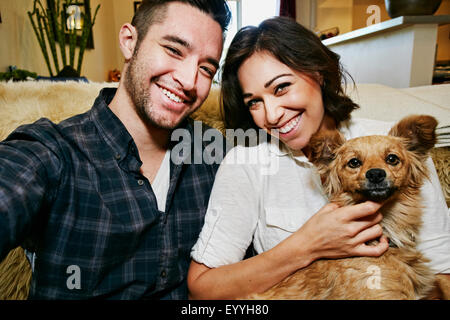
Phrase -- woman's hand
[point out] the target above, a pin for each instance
(338, 232)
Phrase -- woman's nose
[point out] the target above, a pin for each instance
(274, 113)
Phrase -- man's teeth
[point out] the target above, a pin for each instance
(290, 125)
(172, 96)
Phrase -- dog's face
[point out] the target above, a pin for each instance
(374, 167)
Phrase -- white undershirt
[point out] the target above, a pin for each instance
(160, 184)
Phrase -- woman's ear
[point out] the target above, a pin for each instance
(127, 40)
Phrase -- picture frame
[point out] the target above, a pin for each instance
(71, 15)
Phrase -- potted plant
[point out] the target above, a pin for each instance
(51, 25)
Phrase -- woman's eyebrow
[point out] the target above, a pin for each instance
(268, 83)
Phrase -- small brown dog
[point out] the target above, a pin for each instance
(386, 169)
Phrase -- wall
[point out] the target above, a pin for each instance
(359, 19)
(123, 13)
(360, 15)
(332, 13)
(443, 48)
(20, 46)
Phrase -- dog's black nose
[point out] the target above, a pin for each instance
(376, 175)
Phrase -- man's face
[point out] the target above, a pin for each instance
(170, 74)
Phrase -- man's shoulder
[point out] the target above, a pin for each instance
(49, 133)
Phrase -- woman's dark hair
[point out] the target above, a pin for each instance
(294, 46)
(154, 11)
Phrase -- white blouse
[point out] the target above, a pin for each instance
(263, 194)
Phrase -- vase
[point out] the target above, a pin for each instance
(396, 8)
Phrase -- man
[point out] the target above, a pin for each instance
(96, 197)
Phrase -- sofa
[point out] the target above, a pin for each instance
(25, 102)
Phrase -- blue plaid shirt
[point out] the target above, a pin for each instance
(73, 193)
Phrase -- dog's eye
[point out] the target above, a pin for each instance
(392, 159)
(354, 163)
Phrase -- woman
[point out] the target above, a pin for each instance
(280, 78)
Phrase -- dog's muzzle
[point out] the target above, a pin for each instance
(376, 187)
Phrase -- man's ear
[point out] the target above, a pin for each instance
(323, 146)
(418, 131)
(127, 40)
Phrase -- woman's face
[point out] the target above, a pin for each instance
(281, 99)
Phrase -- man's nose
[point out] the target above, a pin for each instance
(186, 74)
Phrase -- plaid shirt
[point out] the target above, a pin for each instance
(73, 193)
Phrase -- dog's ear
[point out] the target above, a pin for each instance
(418, 131)
(323, 146)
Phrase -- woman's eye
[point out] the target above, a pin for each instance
(251, 103)
(392, 159)
(281, 87)
(354, 163)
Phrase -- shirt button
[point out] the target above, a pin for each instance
(117, 156)
(163, 274)
(140, 182)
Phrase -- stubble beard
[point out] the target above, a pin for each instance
(140, 97)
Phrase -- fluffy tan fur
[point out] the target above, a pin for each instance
(400, 273)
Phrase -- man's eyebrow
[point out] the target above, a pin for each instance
(268, 83)
(214, 62)
(178, 40)
(187, 45)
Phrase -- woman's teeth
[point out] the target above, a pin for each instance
(172, 96)
(290, 125)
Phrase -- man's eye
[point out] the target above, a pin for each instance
(354, 163)
(209, 71)
(392, 159)
(173, 50)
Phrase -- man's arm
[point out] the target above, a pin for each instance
(25, 167)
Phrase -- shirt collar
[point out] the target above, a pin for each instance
(279, 149)
(109, 125)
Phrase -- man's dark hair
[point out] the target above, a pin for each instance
(293, 45)
(154, 11)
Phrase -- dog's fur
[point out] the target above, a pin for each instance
(386, 169)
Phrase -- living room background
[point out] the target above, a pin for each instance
(20, 47)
